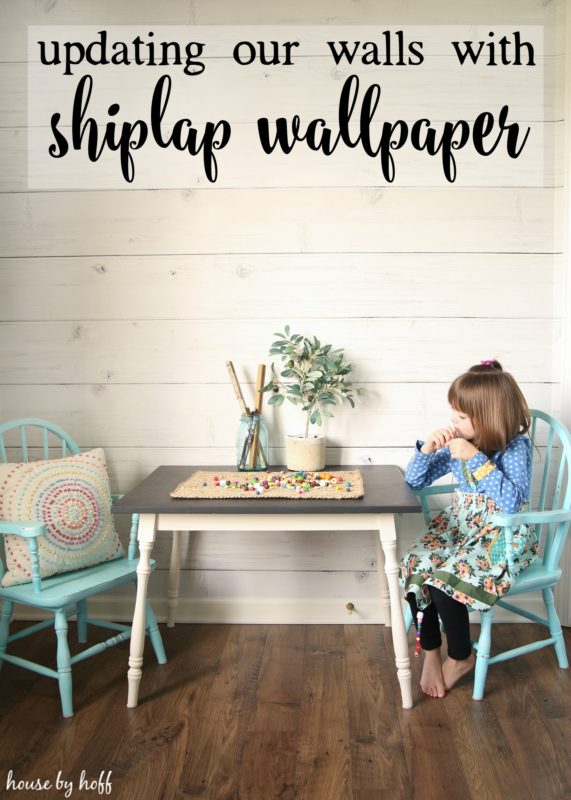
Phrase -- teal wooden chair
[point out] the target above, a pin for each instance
(63, 595)
(550, 512)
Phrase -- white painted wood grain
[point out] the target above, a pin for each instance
(195, 352)
(337, 285)
(279, 220)
(204, 12)
(390, 415)
(264, 583)
(291, 551)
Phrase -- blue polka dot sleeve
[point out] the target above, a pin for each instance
(509, 483)
(424, 469)
(506, 477)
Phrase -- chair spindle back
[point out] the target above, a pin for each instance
(21, 437)
(552, 489)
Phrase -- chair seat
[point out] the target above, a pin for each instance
(536, 576)
(70, 587)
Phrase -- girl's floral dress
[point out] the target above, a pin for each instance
(462, 553)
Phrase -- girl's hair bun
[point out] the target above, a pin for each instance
(487, 366)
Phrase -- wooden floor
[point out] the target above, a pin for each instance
(257, 711)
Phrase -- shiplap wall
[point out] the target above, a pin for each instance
(120, 308)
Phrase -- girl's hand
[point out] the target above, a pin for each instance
(438, 439)
(462, 449)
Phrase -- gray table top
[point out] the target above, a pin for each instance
(385, 492)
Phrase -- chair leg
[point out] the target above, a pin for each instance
(64, 664)
(82, 621)
(555, 629)
(7, 607)
(483, 653)
(155, 635)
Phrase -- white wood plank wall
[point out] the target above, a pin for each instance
(120, 308)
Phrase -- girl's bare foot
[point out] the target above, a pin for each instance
(432, 680)
(453, 670)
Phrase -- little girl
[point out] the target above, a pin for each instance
(461, 561)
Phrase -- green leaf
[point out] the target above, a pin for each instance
(287, 330)
(326, 413)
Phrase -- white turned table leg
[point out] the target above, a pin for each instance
(388, 538)
(174, 579)
(383, 585)
(146, 536)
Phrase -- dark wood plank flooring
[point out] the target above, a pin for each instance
(269, 711)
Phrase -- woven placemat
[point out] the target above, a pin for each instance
(339, 485)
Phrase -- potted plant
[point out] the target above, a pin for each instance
(314, 376)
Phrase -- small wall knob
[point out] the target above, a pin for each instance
(350, 607)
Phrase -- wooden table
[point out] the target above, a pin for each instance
(386, 494)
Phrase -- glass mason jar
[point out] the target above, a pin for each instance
(252, 443)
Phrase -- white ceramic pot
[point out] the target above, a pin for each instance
(304, 453)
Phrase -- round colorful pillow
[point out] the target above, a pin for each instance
(71, 497)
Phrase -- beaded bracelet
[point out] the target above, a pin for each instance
(419, 618)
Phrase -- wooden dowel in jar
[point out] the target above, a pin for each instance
(237, 390)
(258, 407)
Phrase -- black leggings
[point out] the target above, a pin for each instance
(454, 616)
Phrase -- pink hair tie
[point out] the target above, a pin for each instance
(487, 363)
